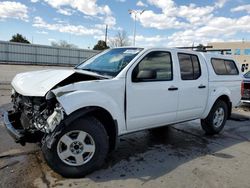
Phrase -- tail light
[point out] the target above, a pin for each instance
(242, 88)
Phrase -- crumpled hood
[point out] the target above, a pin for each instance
(38, 83)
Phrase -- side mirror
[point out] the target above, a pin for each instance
(145, 75)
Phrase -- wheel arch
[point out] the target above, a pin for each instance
(224, 97)
(104, 116)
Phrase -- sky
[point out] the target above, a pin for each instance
(163, 23)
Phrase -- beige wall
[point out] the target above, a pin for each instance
(242, 58)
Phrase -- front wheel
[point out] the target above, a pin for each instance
(216, 119)
(79, 149)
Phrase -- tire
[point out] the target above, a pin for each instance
(78, 149)
(216, 119)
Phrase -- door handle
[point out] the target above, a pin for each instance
(201, 86)
(172, 88)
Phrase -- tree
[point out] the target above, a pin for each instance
(63, 44)
(120, 39)
(101, 45)
(19, 38)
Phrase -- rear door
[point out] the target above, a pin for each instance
(193, 86)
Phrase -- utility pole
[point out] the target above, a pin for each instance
(135, 13)
(106, 34)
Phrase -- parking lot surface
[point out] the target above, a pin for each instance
(175, 156)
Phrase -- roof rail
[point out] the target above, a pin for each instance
(219, 50)
(202, 48)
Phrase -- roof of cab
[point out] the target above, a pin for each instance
(205, 54)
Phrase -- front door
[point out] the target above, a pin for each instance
(151, 92)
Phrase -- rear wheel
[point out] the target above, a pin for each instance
(79, 149)
(216, 119)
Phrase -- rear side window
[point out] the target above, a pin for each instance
(224, 67)
(189, 66)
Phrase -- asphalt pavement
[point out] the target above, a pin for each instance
(176, 156)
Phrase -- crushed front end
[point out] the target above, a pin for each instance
(32, 117)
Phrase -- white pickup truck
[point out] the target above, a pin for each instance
(78, 114)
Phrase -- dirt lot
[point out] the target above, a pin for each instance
(177, 156)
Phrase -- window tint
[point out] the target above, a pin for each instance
(189, 66)
(224, 67)
(219, 66)
(159, 63)
(231, 68)
(196, 66)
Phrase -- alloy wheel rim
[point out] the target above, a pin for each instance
(76, 148)
(218, 117)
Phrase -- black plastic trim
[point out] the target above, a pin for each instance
(16, 134)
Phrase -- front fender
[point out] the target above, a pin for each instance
(74, 100)
(214, 95)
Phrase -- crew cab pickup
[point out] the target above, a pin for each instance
(78, 114)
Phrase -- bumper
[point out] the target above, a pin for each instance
(17, 132)
(12, 123)
(245, 101)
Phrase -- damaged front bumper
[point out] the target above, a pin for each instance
(13, 125)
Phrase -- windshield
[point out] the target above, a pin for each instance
(247, 75)
(110, 62)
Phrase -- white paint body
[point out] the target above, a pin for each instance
(137, 106)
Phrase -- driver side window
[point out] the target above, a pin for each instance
(155, 66)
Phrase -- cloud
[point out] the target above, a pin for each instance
(220, 3)
(87, 7)
(195, 15)
(217, 29)
(157, 38)
(66, 11)
(65, 28)
(245, 8)
(42, 32)
(160, 21)
(173, 16)
(16, 10)
(110, 21)
(150, 41)
(191, 24)
(34, 1)
(141, 4)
